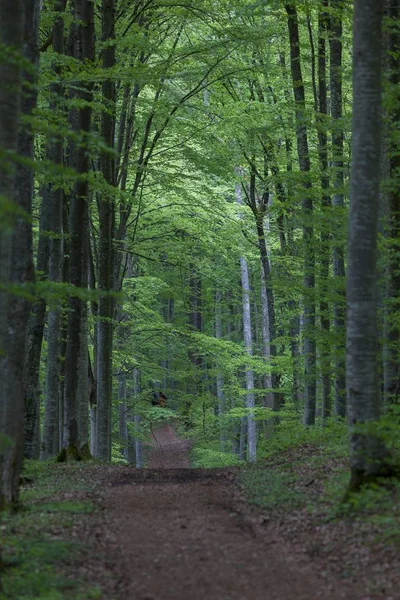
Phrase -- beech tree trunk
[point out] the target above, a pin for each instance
(367, 454)
(55, 198)
(34, 345)
(105, 254)
(322, 114)
(18, 33)
(220, 377)
(307, 216)
(248, 342)
(138, 441)
(76, 370)
(392, 329)
(339, 307)
(266, 352)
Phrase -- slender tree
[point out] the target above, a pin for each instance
(76, 368)
(248, 341)
(339, 308)
(105, 249)
(54, 198)
(307, 206)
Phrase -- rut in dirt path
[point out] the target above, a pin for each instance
(175, 533)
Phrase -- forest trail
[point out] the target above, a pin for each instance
(170, 532)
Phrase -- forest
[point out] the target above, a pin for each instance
(175, 184)
(200, 214)
(200, 236)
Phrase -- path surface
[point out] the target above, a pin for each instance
(174, 533)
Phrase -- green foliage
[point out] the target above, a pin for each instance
(209, 458)
(290, 433)
(271, 489)
(35, 543)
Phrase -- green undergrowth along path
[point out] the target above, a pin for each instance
(37, 546)
(307, 472)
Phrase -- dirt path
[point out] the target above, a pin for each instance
(174, 533)
(168, 452)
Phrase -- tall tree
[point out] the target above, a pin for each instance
(53, 197)
(339, 308)
(18, 34)
(392, 329)
(248, 342)
(76, 368)
(105, 248)
(367, 454)
(307, 216)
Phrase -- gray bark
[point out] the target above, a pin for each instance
(322, 113)
(75, 376)
(248, 342)
(34, 346)
(307, 216)
(392, 329)
(366, 451)
(339, 307)
(122, 415)
(55, 198)
(18, 30)
(220, 377)
(106, 230)
(266, 349)
(138, 442)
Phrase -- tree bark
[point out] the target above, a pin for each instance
(339, 307)
(35, 341)
(367, 454)
(106, 230)
(307, 209)
(220, 377)
(55, 197)
(18, 34)
(392, 329)
(76, 375)
(322, 114)
(248, 342)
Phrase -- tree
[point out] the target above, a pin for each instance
(76, 366)
(367, 453)
(105, 246)
(307, 206)
(18, 34)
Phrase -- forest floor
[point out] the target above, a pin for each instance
(170, 532)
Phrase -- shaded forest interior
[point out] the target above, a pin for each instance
(190, 194)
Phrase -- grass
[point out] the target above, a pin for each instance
(202, 457)
(36, 544)
(307, 469)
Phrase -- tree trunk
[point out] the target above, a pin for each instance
(18, 31)
(367, 454)
(138, 441)
(339, 307)
(266, 351)
(34, 346)
(307, 210)
(75, 372)
(55, 197)
(106, 230)
(248, 342)
(322, 114)
(392, 328)
(220, 377)
(122, 415)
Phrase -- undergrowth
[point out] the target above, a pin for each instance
(35, 541)
(308, 469)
